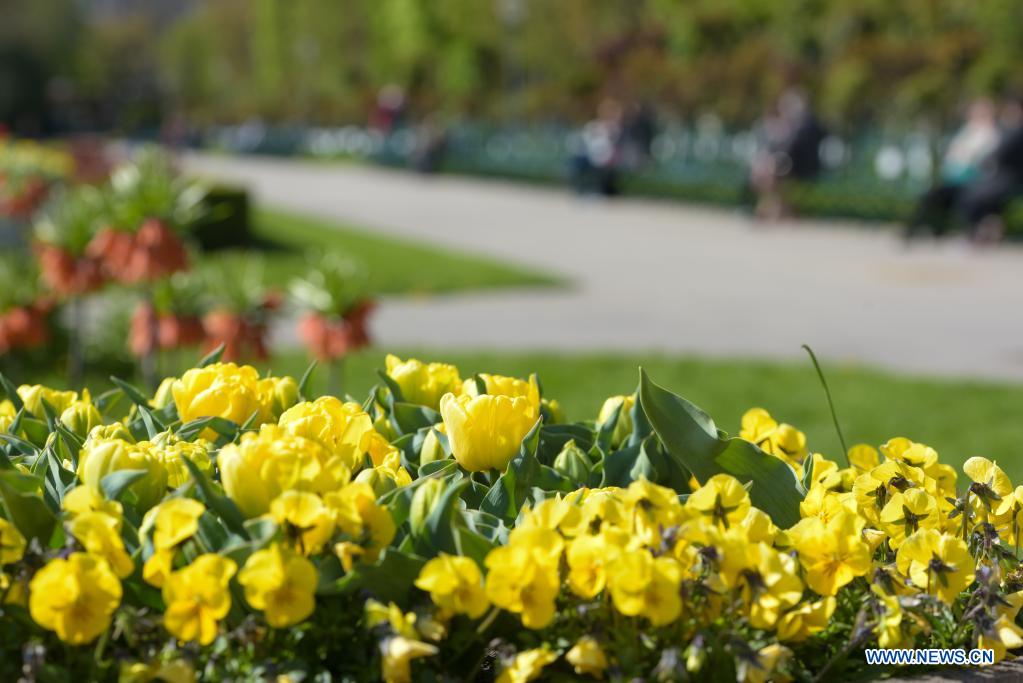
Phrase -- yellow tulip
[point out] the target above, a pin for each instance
(81, 417)
(265, 463)
(485, 432)
(219, 390)
(623, 427)
(34, 396)
(501, 385)
(75, 597)
(423, 383)
(339, 427)
(281, 584)
(97, 459)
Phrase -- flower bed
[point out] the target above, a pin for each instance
(234, 527)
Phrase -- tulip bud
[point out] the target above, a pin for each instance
(163, 396)
(552, 411)
(423, 501)
(384, 427)
(431, 450)
(278, 394)
(80, 417)
(377, 480)
(623, 427)
(97, 459)
(573, 462)
(116, 430)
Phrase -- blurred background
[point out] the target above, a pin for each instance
(485, 181)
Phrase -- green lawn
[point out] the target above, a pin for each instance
(960, 419)
(394, 265)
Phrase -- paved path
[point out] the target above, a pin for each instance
(651, 276)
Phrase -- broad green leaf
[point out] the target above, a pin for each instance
(216, 501)
(132, 392)
(691, 438)
(114, 484)
(11, 392)
(24, 505)
(410, 418)
(389, 579)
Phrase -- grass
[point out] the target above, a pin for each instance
(958, 418)
(394, 266)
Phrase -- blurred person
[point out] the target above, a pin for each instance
(639, 127)
(595, 165)
(971, 145)
(1000, 181)
(388, 113)
(431, 144)
(790, 138)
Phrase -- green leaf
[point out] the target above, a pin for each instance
(392, 386)
(440, 530)
(11, 392)
(410, 417)
(390, 579)
(216, 501)
(212, 357)
(116, 483)
(303, 384)
(136, 396)
(25, 507)
(692, 439)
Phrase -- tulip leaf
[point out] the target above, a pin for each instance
(24, 447)
(410, 418)
(212, 357)
(11, 392)
(132, 392)
(473, 544)
(607, 428)
(441, 534)
(691, 438)
(116, 483)
(107, 400)
(218, 502)
(35, 430)
(554, 437)
(392, 386)
(25, 507)
(62, 479)
(303, 384)
(390, 579)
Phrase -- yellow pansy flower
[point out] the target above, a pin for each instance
(455, 584)
(75, 597)
(833, 554)
(362, 519)
(306, 521)
(197, 598)
(722, 499)
(938, 563)
(907, 512)
(100, 535)
(12, 543)
(587, 657)
(526, 666)
(175, 521)
(281, 583)
(397, 653)
(642, 585)
(806, 620)
(519, 582)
